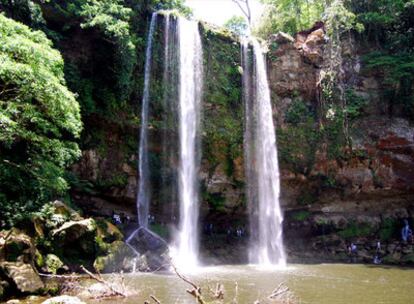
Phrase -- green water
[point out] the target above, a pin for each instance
(322, 284)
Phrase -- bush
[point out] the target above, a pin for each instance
(39, 119)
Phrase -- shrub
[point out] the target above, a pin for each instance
(39, 119)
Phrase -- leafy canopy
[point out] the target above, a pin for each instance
(39, 118)
(237, 24)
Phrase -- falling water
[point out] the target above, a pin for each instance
(169, 158)
(262, 168)
(143, 167)
(189, 115)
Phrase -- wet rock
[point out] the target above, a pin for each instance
(282, 38)
(53, 264)
(73, 230)
(63, 209)
(152, 249)
(76, 236)
(4, 286)
(118, 257)
(16, 246)
(64, 300)
(23, 276)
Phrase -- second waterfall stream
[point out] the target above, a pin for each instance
(261, 162)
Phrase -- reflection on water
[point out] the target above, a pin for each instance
(333, 284)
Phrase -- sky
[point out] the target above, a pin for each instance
(219, 11)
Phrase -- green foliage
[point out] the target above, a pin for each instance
(39, 118)
(215, 201)
(177, 5)
(398, 71)
(301, 216)
(237, 25)
(388, 229)
(296, 112)
(25, 11)
(355, 230)
(298, 140)
(289, 16)
(112, 18)
(223, 115)
(339, 19)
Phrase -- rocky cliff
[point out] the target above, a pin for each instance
(348, 187)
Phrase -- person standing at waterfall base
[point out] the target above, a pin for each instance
(406, 232)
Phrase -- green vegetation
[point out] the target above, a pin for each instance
(289, 16)
(39, 120)
(301, 216)
(223, 114)
(237, 25)
(356, 230)
(299, 139)
(388, 229)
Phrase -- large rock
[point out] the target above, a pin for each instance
(16, 246)
(23, 276)
(152, 250)
(76, 236)
(118, 257)
(73, 230)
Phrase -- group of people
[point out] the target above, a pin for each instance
(120, 219)
(407, 236)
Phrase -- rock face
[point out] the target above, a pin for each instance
(373, 174)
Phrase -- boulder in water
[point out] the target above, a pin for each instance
(152, 250)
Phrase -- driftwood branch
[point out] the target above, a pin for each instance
(59, 276)
(279, 291)
(155, 299)
(99, 279)
(195, 292)
(236, 294)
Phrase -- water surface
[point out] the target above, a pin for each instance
(321, 284)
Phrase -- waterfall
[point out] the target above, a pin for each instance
(143, 167)
(190, 91)
(261, 162)
(169, 158)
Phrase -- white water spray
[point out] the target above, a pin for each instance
(262, 168)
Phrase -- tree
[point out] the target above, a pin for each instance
(244, 5)
(39, 120)
(289, 16)
(237, 24)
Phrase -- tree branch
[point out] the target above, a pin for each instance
(246, 11)
(100, 280)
